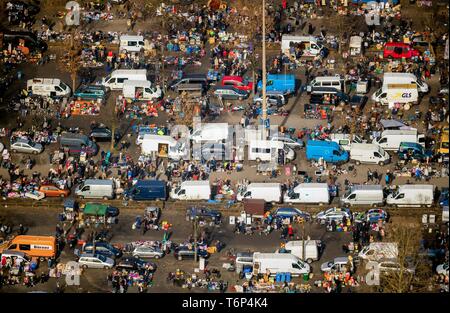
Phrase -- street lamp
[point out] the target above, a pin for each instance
(264, 76)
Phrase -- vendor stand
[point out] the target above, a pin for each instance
(84, 107)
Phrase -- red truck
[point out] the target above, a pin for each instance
(238, 82)
(398, 50)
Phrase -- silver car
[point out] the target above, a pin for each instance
(148, 252)
(90, 260)
(291, 143)
(26, 146)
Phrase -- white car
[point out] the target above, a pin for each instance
(389, 266)
(90, 260)
(1, 147)
(332, 214)
(442, 269)
(291, 143)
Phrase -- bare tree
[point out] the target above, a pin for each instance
(402, 280)
(71, 60)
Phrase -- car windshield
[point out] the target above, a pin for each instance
(101, 258)
(286, 149)
(379, 92)
(347, 194)
(62, 86)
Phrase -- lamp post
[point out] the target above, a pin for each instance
(264, 75)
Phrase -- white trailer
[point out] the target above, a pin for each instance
(376, 251)
(309, 193)
(364, 195)
(412, 196)
(391, 139)
(270, 192)
(368, 153)
(274, 263)
(192, 190)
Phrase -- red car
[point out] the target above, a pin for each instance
(398, 50)
(237, 82)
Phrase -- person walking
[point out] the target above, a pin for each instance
(387, 178)
(369, 176)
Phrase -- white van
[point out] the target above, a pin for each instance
(312, 47)
(335, 82)
(411, 196)
(192, 190)
(308, 193)
(48, 87)
(274, 263)
(391, 94)
(295, 247)
(391, 139)
(364, 195)
(211, 132)
(368, 153)
(376, 251)
(405, 78)
(268, 150)
(270, 192)
(344, 140)
(141, 90)
(116, 79)
(151, 144)
(131, 43)
(96, 188)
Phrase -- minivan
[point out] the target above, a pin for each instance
(335, 82)
(102, 248)
(76, 143)
(131, 43)
(188, 80)
(96, 188)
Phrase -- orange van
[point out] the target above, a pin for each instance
(42, 247)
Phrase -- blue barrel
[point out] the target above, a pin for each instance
(288, 277)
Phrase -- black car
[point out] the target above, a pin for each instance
(112, 211)
(204, 213)
(132, 263)
(182, 253)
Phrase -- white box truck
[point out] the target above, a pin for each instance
(376, 251)
(217, 132)
(141, 90)
(345, 141)
(405, 78)
(390, 139)
(295, 247)
(368, 153)
(192, 190)
(270, 192)
(364, 195)
(116, 79)
(274, 263)
(412, 196)
(406, 94)
(309, 193)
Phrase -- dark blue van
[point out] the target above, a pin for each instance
(147, 190)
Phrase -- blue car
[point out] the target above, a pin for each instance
(443, 198)
(204, 213)
(90, 92)
(102, 248)
(291, 212)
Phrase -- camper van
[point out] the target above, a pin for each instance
(295, 247)
(269, 150)
(42, 247)
(391, 139)
(329, 82)
(364, 195)
(311, 47)
(308, 193)
(368, 153)
(211, 132)
(405, 78)
(48, 87)
(141, 90)
(96, 188)
(270, 192)
(115, 80)
(412, 196)
(131, 43)
(376, 251)
(192, 190)
(279, 263)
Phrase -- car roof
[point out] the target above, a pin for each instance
(229, 88)
(340, 259)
